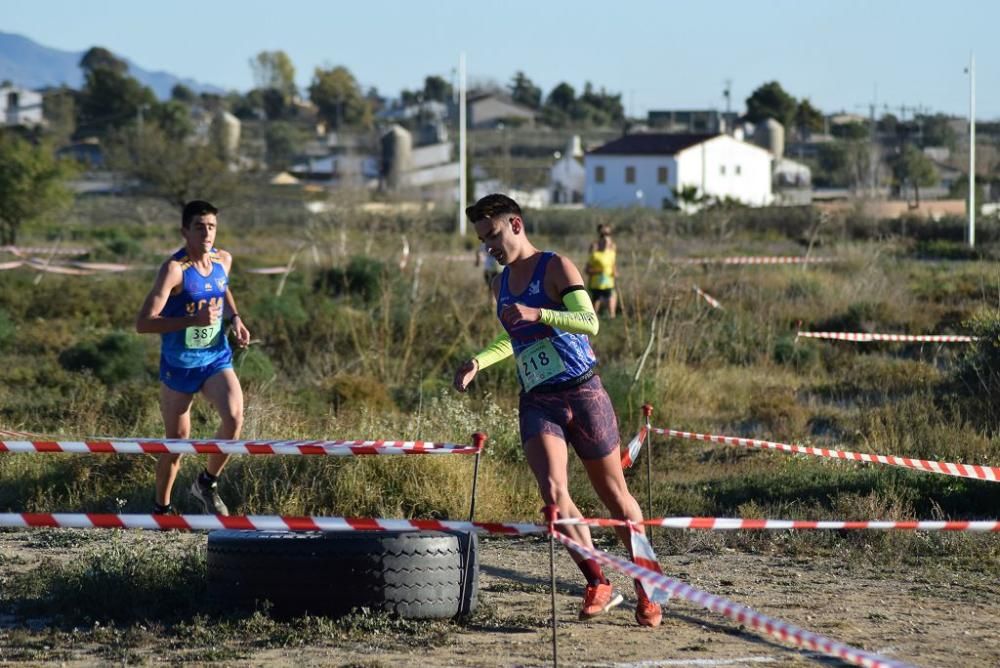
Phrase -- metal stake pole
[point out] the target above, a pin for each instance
(551, 512)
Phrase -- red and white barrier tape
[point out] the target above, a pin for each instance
(314, 523)
(712, 301)
(739, 524)
(183, 446)
(864, 337)
(631, 451)
(780, 259)
(253, 523)
(736, 612)
(991, 473)
(644, 556)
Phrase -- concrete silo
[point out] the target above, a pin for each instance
(225, 134)
(770, 134)
(397, 150)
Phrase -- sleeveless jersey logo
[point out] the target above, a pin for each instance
(535, 287)
(221, 282)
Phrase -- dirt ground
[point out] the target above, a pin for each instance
(926, 619)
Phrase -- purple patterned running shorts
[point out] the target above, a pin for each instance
(582, 416)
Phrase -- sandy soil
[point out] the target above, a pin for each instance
(926, 619)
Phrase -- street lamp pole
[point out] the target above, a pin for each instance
(462, 140)
(972, 150)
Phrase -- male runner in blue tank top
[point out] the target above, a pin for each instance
(546, 315)
(189, 306)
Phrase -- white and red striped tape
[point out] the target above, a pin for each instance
(975, 471)
(712, 301)
(739, 524)
(314, 523)
(644, 556)
(631, 451)
(736, 612)
(767, 259)
(252, 523)
(866, 337)
(182, 446)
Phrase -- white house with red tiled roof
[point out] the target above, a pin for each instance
(647, 170)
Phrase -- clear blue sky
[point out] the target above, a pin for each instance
(842, 54)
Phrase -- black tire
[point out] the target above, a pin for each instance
(415, 575)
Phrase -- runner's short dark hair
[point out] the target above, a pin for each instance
(194, 209)
(492, 206)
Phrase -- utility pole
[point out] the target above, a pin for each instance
(727, 93)
(972, 149)
(462, 169)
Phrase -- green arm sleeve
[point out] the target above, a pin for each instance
(498, 349)
(579, 319)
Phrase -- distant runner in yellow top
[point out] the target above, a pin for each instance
(601, 271)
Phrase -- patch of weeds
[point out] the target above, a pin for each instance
(61, 539)
(697, 647)
(364, 625)
(489, 618)
(775, 412)
(212, 653)
(12, 560)
(876, 378)
(507, 586)
(126, 580)
(861, 316)
(788, 350)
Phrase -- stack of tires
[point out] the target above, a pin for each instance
(414, 575)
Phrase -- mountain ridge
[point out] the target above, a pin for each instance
(25, 62)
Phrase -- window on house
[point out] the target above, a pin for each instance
(630, 175)
(599, 174)
(722, 170)
(661, 174)
(738, 170)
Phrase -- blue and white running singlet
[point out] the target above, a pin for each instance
(196, 346)
(545, 355)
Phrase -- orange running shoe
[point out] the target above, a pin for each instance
(647, 613)
(598, 599)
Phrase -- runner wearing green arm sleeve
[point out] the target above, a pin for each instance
(548, 318)
(579, 319)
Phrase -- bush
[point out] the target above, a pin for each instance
(116, 358)
(354, 391)
(788, 351)
(363, 277)
(7, 329)
(975, 382)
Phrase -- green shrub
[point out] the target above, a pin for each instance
(789, 351)
(363, 277)
(114, 359)
(975, 381)
(7, 329)
(356, 391)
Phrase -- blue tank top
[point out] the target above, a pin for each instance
(531, 341)
(196, 346)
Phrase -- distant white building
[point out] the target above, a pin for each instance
(568, 178)
(491, 110)
(646, 170)
(20, 106)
